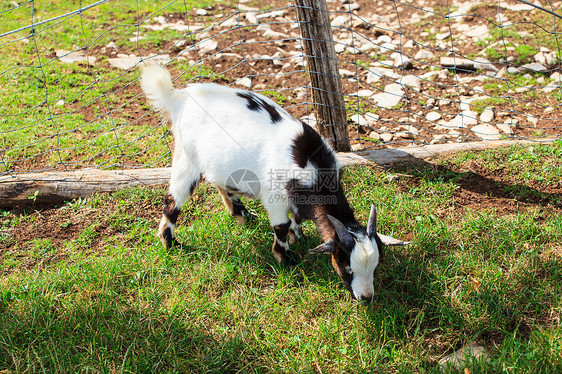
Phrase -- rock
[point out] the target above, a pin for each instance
(386, 137)
(263, 27)
(505, 128)
(487, 115)
(351, 7)
(376, 73)
(383, 39)
(275, 35)
(462, 120)
(201, 12)
(534, 67)
(272, 14)
(442, 36)
(433, 116)
(462, 358)
(365, 93)
(484, 64)
(356, 147)
(207, 46)
(374, 135)
(410, 81)
(371, 118)
(60, 103)
(457, 63)
(438, 139)
(556, 77)
(424, 54)
(71, 57)
(340, 21)
(347, 73)
(251, 17)
(478, 32)
(486, 132)
(309, 120)
(391, 96)
(359, 119)
(244, 82)
(513, 70)
(112, 45)
(401, 60)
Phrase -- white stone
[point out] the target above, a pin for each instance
(374, 135)
(356, 147)
(391, 97)
(60, 103)
(275, 35)
(207, 46)
(351, 7)
(372, 118)
(462, 120)
(484, 64)
(513, 70)
(251, 17)
(340, 21)
(505, 128)
(71, 57)
(442, 36)
(556, 77)
(410, 81)
(457, 63)
(487, 115)
(486, 132)
(201, 12)
(347, 73)
(433, 116)
(359, 119)
(535, 67)
(424, 54)
(386, 137)
(272, 14)
(365, 93)
(401, 60)
(112, 45)
(244, 82)
(463, 357)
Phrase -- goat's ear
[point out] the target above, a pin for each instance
(344, 236)
(329, 247)
(372, 225)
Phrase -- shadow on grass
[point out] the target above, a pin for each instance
(109, 335)
(478, 183)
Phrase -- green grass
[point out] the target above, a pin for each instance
(57, 114)
(105, 296)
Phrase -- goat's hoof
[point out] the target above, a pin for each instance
(167, 239)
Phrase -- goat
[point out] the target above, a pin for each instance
(245, 144)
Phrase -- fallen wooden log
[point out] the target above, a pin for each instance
(56, 186)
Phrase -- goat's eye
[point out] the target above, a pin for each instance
(348, 269)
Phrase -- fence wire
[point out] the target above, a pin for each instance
(413, 73)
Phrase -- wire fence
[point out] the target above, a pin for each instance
(413, 73)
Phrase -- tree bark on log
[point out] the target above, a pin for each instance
(322, 65)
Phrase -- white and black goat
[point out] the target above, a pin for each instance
(245, 144)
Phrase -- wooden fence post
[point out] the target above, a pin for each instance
(327, 93)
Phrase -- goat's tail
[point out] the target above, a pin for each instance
(156, 82)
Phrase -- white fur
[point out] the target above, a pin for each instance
(363, 262)
(216, 134)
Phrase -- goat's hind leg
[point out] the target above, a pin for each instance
(235, 206)
(183, 181)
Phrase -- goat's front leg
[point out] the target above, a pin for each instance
(280, 248)
(295, 230)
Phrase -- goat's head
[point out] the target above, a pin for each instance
(355, 256)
